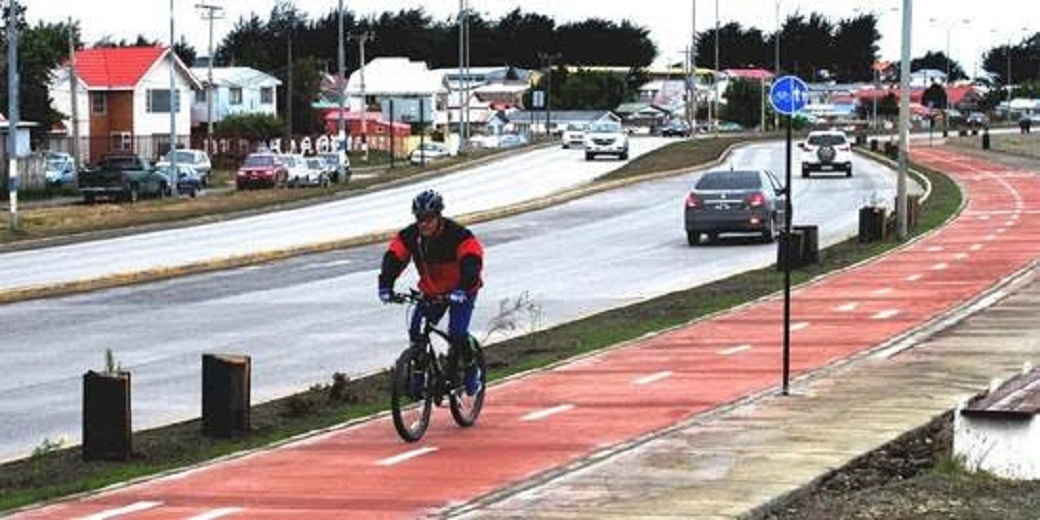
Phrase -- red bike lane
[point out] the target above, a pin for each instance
(546, 422)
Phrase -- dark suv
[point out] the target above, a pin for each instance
(676, 128)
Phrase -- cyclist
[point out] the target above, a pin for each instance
(449, 259)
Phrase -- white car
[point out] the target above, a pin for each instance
(826, 151)
(296, 167)
(429, 151)
(606, 138)
(198, 159)
(574, 136)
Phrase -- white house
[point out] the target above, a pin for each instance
(236, 90)
(399, 79)
(123, 99)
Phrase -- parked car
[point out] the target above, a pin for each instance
(189, 181)
(977, 120)
(262, 169)
(429, 151)
(123, 176)
(606, 138)
(60, 169)
(482, 141)
(198, 159)
(574, 135)
(314, 173)
(332, 162)
(676, 128)
(826, 150)
(297, 171)
(511, 140)
(725, 201)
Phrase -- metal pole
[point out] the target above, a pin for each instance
(210, 15)
(364, 102)
(341, 141)
(693, 67)
(785, 243)
(776, 60)
(873, 108)
(715, 77)
(904, 121)
(462, 63)
(13, 115)
(174, 102)
(73, 83)
(1009, 79)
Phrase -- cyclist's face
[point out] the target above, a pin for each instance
(429, 224)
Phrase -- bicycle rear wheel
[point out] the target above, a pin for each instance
(468, 398)
(412, 397)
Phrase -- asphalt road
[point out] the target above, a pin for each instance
(305, 318)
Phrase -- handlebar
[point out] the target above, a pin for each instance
(416, 296)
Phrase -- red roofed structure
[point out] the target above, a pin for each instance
(124, 100)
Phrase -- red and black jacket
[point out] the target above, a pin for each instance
(450, 260)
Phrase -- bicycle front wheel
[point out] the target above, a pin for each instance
(412, 397)
(468, 398)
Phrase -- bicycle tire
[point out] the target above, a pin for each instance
(465, 408)
(411, 402)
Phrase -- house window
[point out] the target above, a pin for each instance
(236, 95)
(97, 103)
(200, 96)
(266, 95)
(121, 142)
(159, 101)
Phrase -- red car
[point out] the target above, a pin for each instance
(261, 170)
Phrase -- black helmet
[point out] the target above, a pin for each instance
(427, 202)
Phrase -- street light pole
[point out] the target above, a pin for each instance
(715, 76)
(904, 121)
(13, 115)
(173, 113)
(693, 67)
(341, 141)
(776, 61)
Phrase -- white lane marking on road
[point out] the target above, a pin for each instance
(325, 265)
(883, 291)
(733, 350)
(1001, 230)
(960, 256)
(975, 247)
(886, 314)
(983, 217)
(940, 266)
(652, 378)
(914, 277)
(848, 307)
(132, 508)
(990, 238)
(217, 513)
(542, 414)
(799, 325)
(1010, 222)
(401, 457)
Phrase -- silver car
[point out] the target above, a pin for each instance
(742, 201)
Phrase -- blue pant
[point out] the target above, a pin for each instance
(458, 320)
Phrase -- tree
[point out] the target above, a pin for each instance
(934, 96)
(744, 102)
(938, 61)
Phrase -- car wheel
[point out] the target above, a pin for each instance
(589, 156)
(132, 195)
(769, 233)
(193, 193)
(693, 238)
(848, 171)
(624, 156)
(713, 236)
(805, 172)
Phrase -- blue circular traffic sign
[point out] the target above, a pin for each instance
(788, 94)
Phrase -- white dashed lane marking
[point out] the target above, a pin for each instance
(734, 350)
(886, 314)
(217, 513)
(848, 307)
(542, 414)
(408, 455)
(126, 510)
(652, 378)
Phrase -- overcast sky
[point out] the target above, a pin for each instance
(669, 21)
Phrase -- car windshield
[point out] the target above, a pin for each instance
(260, 160)
(729, 181)
(182, 157)
(605, 128)
(574, 127)
(55, 164)
(826, 139)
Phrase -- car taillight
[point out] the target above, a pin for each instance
(756, 199)
(693, 201)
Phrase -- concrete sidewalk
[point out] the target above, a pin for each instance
(740, 460)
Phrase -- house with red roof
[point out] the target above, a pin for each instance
(123, 100)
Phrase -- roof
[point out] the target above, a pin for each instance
(1019, 397)
(395, 76)
(755, 74)
(236, 76)
(117, 67)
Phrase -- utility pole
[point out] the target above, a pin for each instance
(693, 68)
(13, 115)
(173, 110)
(464, 72)
(341, 141)
(210, 15)
(363, 38)
(548, 58)
(904, 122)
(715, 77)
(776, 62)
(289, 90)
(73, 97)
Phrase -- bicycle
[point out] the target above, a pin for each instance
(420, 376)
